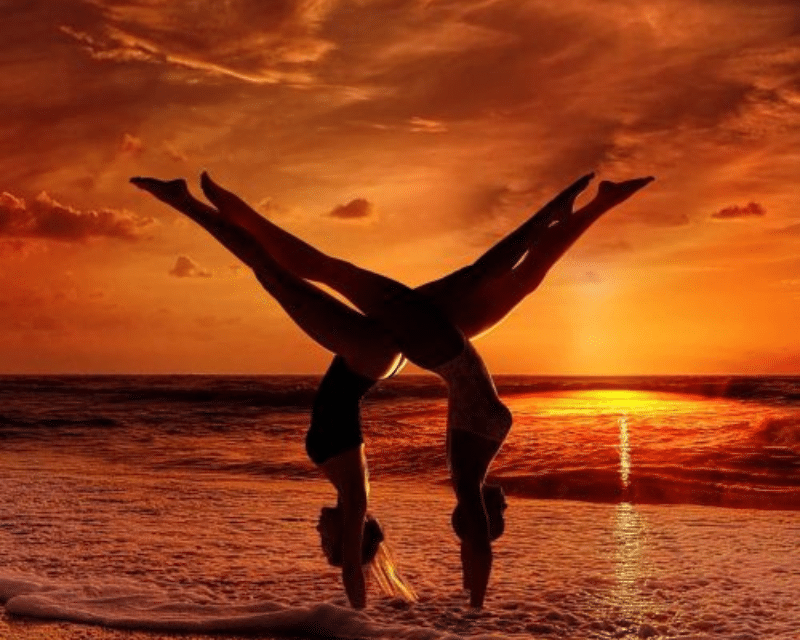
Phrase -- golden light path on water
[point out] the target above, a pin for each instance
(630, 538)
(630, 528)
(628, 409)
(624, 453)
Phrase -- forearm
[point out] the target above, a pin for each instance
(477, 565)
(354, 509)
(476, 547)
(355, 585)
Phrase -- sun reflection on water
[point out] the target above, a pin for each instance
(624, 454)
(629, 535)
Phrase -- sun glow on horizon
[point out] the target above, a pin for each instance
(613, 401)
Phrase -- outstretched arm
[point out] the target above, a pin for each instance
(348, 473)
(469, 456)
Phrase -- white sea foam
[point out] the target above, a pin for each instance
(122, 608)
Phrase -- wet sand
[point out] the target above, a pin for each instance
(563, 570)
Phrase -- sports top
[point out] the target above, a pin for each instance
(336, 412)
(473, 404)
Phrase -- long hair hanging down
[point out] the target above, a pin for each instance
(384, 569)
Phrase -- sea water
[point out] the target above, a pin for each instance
(640, 507)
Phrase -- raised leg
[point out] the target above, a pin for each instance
(478, 302)
(501, 258)
(176, 194)
(404, 313)
(399, 318)
(532, 270)
(295, 255)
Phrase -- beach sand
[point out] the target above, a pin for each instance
(563, 570)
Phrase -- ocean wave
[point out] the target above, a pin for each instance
(710, 487)
(782, 432)
(301, 468)
(11, 425)
(298, 391)
(782, 389)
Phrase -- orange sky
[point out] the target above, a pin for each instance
(452, 120)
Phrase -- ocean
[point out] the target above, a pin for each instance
(639, 507)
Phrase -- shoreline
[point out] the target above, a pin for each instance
(563, 569)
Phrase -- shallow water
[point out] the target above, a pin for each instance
(188, 554)
(188, 505)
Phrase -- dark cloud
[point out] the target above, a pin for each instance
(496, 203)
(492, 201)
(63, 108)
(49, 219)
(353, 210)
(185, 267)
(750, 210)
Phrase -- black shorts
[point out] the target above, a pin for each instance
(336, 412)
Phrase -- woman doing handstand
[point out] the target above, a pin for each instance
(426, 326)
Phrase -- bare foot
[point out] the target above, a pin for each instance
(611, 194)
(560, 207)
(173, 192)
(227, 202)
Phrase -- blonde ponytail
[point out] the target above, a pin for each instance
(384, 570)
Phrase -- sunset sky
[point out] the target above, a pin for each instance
(406, 136)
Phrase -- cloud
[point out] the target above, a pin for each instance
(750, 210)
(131, 145)
(185, 267)
(353, 210)
(174, 154)
(496, 203)
(423, 125)
(252, 42)
(46, 218)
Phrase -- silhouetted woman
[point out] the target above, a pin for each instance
(429, 326)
